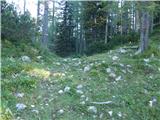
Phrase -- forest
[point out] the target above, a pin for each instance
(80, 60)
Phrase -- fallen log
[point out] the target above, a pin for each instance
(131, 47)
(102, 103)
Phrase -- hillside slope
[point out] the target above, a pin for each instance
(113, 85)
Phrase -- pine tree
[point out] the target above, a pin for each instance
(65, 44)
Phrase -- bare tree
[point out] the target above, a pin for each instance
(106, 30)
(24, 7)
(144, 31)
(44, 40)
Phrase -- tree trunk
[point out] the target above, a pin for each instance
(144, 31)
(137, 21)
(106, 32)
(24, 7)
(53, 21)
(151, 23)
(44, 41)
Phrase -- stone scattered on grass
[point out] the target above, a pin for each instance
(114, 58)
(46, 104)
(118, 78)
(20, 95)
(122, 65)
(80, 86)
(146, 60)
(87, 68)
(79, 91)
(39, 57)
(57, 63)
(119, 114)
(94, 116)
(110, 113)
(124, 71)
(108, 70)
(101, 115)
(112, 75)
(83, 102)
(130, 71)
(61, 111)
(121, 50)
(32, 106)
(25, 59)
(20, 106)
(129, 66)
(152, 102)
(87, 99)
(35, 111)
(82, 96)
(60, 92)
(67, 89)
(92, 109)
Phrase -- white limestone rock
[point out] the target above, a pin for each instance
(25, 59)
(20, 106)
(92, 109)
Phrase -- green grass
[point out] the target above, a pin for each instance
(40, 81)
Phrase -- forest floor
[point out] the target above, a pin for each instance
(116, 85)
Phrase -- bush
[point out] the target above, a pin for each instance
(117, 40)
(97, 47)
(16, 27)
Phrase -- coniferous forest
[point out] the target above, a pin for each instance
(80, 60)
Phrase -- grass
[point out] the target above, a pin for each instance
(41, 80)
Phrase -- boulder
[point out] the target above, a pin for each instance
(25, 59)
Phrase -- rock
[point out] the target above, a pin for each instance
(108, 70)
(82, 96)
(110, 113)
(119, 114)
(87, 98)
(61, 111)
(152, 102)
(94, 116)
(130, 71)
(26, 59)
(101, 115)
(114, 58)
(91, 64)
(79, 91)
(60, 91)
(83, 102)
(87, 68)
(121, 50)
(118, 78)
(39, 57)
(112, 75)
(146, 60)
(92, 109)
(152, 55)
(65, 60)
(32, 106)
(67, 89)
(129, 66)
(35, 111)
(80, 86)
(20, 106)
(124, 71)
(122, 65)
(57, 63)
(20, 95)
(103, 61)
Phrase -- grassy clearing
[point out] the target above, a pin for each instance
(135, 83)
